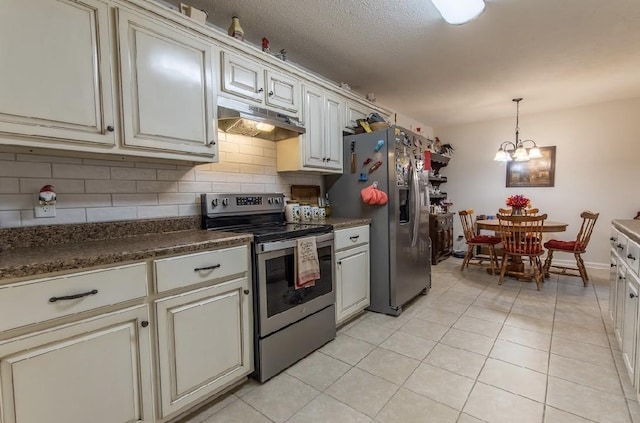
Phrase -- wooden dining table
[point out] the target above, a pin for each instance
(516, 265)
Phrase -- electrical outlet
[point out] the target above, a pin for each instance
(45, 210)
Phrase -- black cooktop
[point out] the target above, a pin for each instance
(279, 231)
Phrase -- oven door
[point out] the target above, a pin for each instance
(280, 303)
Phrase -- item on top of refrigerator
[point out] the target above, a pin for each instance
(379, 145)
(375, 166)
(235, 30)
(374, 117)
(365, 126)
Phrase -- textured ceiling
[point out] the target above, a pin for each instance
(554, 53)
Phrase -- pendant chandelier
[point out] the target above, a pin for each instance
(517, 151)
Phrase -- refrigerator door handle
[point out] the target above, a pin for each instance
(415, 220)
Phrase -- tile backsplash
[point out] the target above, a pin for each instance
(91, 190)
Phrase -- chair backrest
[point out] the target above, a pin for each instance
(468, 226)
(531, 211)
(505, 211)
(521, 235)
(584, 234)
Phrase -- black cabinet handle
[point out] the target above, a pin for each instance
(110, 128)
(144, 323)
(612, 239)
(632, 295)
(620, 246)
(354, 238)
(340, 263)
(212, 142)
(270, 93)
(629, 256)
(613, 265)
(73, 297)
(246, 292)
(621, 277)
(261, 90)
(215, 266)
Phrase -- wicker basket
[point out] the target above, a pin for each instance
(378, 126)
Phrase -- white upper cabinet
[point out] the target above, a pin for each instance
(355, 111)
(55, 71)
(168, 95)
(245, 78)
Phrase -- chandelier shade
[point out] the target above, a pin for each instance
(517, 150)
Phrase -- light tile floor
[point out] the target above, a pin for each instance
(469, 351)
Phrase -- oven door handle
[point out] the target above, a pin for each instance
(289, 243)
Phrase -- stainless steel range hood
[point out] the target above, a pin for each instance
(236, 117)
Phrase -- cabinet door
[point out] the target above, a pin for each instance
(205, 342)
(97, 370)
(167, 90)
(630, 323)
(55, 69)
(242, 77)
(282, 91)
(334, 115)
(313, 110)
(352, 282)
(613, 276)
(620, 300)
(355, 111)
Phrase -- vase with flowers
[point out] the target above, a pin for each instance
(517, 203)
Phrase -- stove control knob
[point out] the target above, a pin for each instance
(225, 202)
(214, 202)
(270, 200)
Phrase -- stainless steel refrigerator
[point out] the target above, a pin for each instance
(399, 241)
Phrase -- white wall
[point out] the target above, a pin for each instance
(92, 190)
(597, 167)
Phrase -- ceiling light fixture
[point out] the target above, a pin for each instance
(458, 12)
(517, 151)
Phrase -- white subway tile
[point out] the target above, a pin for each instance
(17, 201)
(189, 209)
(251, 149)
(111, 213)
(25, 169)
(156, 186)
(206, 175)
(73, 171)
(239, 158)
(135, 174)
(155, 165)
(177, 198)
(176, 175)
(10, 219)
(249, 168)
(240, 177)
(252, 188)
(266, 161)
(269, 170)
(47, 159)
(238, 139)
(9, 185)
(265, 179)
(225, 187)
(225, 167)
(69, 201)
(259, 142)
(197, 187)
(32, 185)
(7, 156)
(63, 216)
(149, 212)
(135, 199)
(270, 152)
(108, 186)
(116, 163)
(228, 147)
(286, 189)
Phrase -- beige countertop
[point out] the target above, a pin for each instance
(34, 260)
(631, 228)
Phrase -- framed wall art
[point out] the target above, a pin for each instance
(534, 173)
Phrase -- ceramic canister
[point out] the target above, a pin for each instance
(315, 212)
(305, 212)
(290, 212)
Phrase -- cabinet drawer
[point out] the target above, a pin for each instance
(39, 300)
(444, 222)
(345, 238)
(633, 255)
(177, 272)
(613, 239)
(621, 245)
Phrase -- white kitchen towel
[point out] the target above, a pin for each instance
(307, 264)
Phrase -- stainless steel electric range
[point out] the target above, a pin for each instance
(289, 323)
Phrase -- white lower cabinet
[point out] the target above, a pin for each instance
(205, 340)
(630, 323)
(621, 282)
(95, 370)
(352, 272)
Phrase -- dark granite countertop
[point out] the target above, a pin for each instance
(631, 228)
(33, 260)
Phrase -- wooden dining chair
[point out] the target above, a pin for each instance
(576, 247)
(521, 237)
(505, 211)
(474, 241)
(531, 211)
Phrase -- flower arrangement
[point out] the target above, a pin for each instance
(517, 201)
